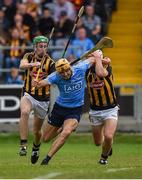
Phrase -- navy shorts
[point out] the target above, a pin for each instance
(59, 114)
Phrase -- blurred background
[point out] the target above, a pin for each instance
(121, 20)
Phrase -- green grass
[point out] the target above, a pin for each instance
(78, 159)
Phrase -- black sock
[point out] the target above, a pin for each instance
(48, 158)
(23, 141)
(36, 147)
(104, 157)
(110, 152)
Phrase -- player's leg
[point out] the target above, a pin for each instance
(104, 125)
(109, 131)
(37, 124)
(110, 118)
(67, 119)
(68, 126)
(98, 136)
(97, 127)
(40, 112)
(25, 108)
(50, 131)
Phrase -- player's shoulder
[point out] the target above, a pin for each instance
(49, 58)
(81, 64)
(28, 55)
(53, 74)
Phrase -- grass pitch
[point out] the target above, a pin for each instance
(78, 159)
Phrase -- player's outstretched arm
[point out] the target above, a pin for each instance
(24, 64)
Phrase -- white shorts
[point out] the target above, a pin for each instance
(40, 108)
(98, 117)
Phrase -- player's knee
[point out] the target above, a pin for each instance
(24, 112)
(66, 132)
(108, 137)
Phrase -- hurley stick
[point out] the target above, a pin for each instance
(73, 29)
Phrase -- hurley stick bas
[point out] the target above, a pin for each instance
(73, 29)
(105, 42)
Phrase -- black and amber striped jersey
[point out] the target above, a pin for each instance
(47, 67)
(101, 90)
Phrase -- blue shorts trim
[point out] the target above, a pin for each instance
(59, 114)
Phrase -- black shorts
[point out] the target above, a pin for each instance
(59, 114)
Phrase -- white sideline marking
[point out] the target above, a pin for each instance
(48, 176)
(119, 169)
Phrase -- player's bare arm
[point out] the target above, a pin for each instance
(39, 84)
(97, 58)
(24, 64)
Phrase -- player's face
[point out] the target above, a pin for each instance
(66, 74)
(41, 49)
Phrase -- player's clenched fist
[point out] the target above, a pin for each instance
(34, 83)
(35, 64)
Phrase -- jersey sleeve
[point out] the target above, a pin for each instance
(25, 57)
(52, 78)
(52, 67)
(84, 65)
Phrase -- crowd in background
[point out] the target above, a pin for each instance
(22, 20)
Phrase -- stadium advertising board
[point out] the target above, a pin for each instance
(10, 102)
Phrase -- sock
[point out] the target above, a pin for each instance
(104, 157)
(48, 158)
(23, 142)
(36, 147)
(110, 152)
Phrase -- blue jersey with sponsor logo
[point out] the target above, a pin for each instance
(72, 90)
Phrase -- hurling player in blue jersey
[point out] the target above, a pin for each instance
(67, 109)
